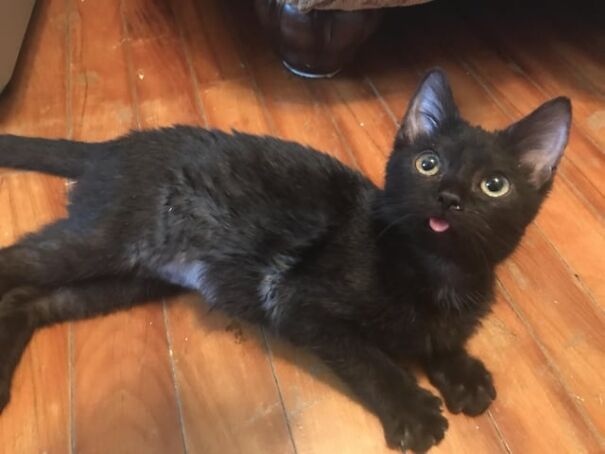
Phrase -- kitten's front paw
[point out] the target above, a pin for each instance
(466, 386)
(417, 425)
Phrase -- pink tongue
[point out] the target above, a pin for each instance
(438, 225)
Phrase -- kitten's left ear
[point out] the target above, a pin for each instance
(540, 138)
(432, 106)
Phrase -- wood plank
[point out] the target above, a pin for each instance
(37, 418)
(234, 104)
(229, 397)
(123, 392)
(214, 50)
(531, 398)
(364, 123)
(217, 360)
(568, 326)
(161, 74)
(308, 122)
(323, 417)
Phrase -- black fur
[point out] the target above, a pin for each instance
(291, 239)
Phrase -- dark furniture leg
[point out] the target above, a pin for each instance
(317, 43)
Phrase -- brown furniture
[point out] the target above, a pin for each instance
(316, 38)
(350, 5)
(14, 17)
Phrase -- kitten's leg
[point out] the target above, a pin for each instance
(97, 297)
(464, 382)
(56, 255)
(15, 332)
(411, 416)
(81, 300)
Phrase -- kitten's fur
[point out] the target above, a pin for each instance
(284, 236)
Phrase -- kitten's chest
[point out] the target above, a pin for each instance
(440, 318)
(454, 297)
(454, 316)
(448, 332)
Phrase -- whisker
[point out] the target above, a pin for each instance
(393, 224)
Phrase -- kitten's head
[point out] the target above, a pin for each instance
(460, 190)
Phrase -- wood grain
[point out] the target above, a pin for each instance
(214, 49)
(531, 398)
(229, 397)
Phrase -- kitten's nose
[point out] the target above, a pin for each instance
(450, 200)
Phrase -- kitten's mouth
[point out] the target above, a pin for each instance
(438, 225)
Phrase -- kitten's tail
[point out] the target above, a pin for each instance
(64, 158)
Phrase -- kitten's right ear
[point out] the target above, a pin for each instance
(432, 106)
(538, 140)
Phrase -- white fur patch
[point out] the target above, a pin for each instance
(191, 275)
(268, 287)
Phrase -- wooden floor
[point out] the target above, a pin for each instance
(170, 378)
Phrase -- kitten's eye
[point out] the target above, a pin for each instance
(495, 186)
(428, 163)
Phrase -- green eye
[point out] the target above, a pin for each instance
(428, 163)
(495, 186)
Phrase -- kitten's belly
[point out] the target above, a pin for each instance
(268, 288)
(192, 275)
(235, 290)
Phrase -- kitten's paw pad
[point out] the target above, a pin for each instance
(471, 401)
(468, 388)
(418, 426)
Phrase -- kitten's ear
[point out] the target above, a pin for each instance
(540, 138)
(432, 106)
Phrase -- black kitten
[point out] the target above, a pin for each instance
(284, 236)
